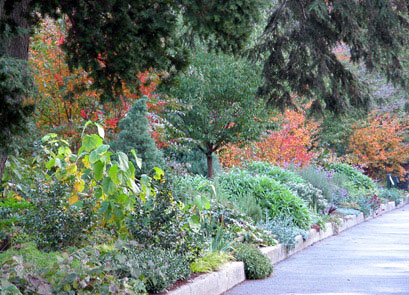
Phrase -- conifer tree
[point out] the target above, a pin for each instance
(298, 42)
(134, 135)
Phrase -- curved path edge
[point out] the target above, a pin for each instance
(232, 274)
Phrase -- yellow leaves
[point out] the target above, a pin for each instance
(79, 185)
(73, 199)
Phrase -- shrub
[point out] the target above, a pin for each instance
(256, 264)
(320, 179)
(310, 194)
(277, 173)
(210, 262)
(283, 203)
(158, 268)
(391, 194)
(284, 230)
(159, 221)
(269, 194)
(53, 223)
(357, 177)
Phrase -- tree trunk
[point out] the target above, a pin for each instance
(3, 160)
(17, 47)
(209, 165)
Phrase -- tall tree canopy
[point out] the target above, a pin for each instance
(113, 40)
(298, 42)
(219, 105)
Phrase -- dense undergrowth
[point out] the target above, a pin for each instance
(81, 223)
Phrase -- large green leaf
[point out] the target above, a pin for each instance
(108, 186)
(98, 153)
(91, 142)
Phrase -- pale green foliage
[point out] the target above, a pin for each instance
(210, 262)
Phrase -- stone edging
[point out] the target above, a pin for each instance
(232, 273)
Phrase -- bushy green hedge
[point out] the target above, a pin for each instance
(359, 179)
(256, 264)
(271, 195)
(277, 173)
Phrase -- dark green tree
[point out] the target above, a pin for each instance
(219, 105)
(135, 135)
(113, 40)
(298, 42)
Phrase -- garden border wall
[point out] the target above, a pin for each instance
(232, 273)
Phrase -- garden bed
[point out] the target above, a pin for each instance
(232, 273)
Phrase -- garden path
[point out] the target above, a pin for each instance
(370, 258)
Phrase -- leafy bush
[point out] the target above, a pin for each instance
(310, 194)
(210, 262)
(256, 264)
(52, 222)
(269, 194)
(158, 268)
(277, 173)
(159, 221)
(320, 179)
(283, 203)
(225, 225)
(391, 194)
(284, 230)
(357, 177)
(30, 271)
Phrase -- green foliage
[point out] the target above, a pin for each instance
(15, 85)
(319, 179)
(30, 271)
(269, 194)
(193, 160)
(392, 195)
(160, 221)
(283, 228)
(357, 177)
(310, 194)
(91, 172)
(134, 135)
(281, 202)
(256, 264)
(277, 173)
(210, 262)
(11, 212)
(218, 102)
(52, 222)
(298, 43)
(158, 268)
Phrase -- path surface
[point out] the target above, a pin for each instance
(370, 258)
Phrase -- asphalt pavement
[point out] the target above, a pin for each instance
(371, 258)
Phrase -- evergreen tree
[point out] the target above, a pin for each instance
(134, 135)
(298, 42)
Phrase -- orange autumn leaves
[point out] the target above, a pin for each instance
(379, 145)
(66, 99)
(290, 144)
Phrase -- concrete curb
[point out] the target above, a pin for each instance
(214, 283)
(232, 273)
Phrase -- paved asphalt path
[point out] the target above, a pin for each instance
(370, 258)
